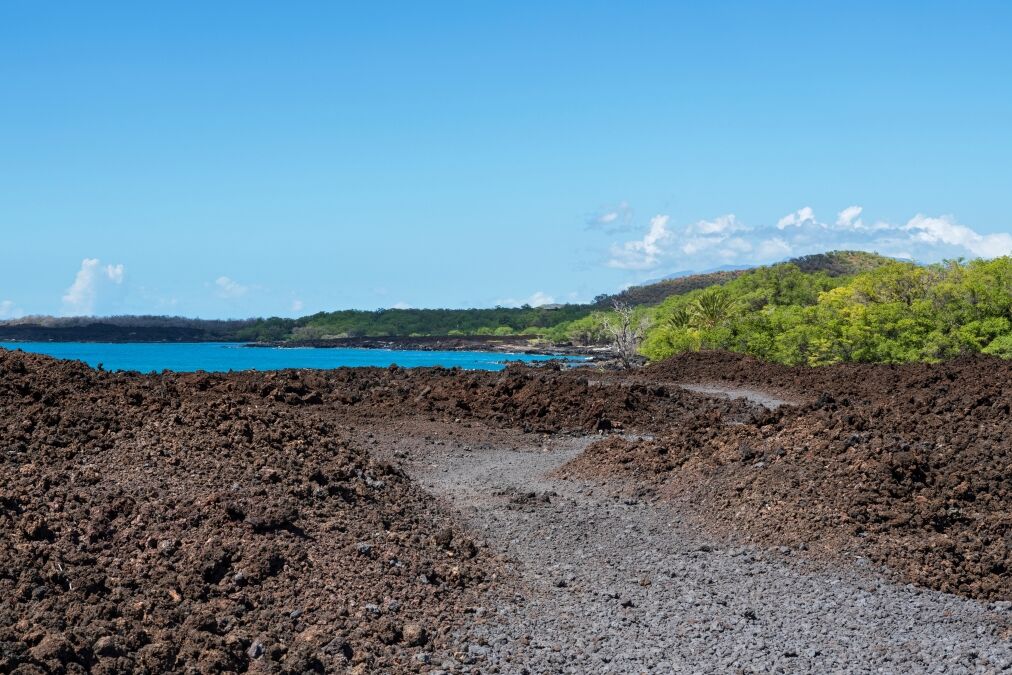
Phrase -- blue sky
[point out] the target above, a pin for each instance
(246, 158)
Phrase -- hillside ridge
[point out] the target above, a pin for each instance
(352, 323)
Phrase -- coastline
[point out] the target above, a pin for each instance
(481, 352)
(105, 333)
(511, 344)
(600, 356)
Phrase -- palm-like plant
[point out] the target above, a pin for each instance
(713, 307)
(680, 317)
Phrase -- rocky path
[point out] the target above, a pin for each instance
(615, 582)
(756, 396)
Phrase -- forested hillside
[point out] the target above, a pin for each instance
(833, 263)
(893, 313)
(498, 320)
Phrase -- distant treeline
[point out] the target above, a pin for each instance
(134, 321)
(346, 323)
(123, 329)
(561, 322)
(505, 320)
(513, 320)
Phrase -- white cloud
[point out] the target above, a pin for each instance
(613, 218)
(719, 225)
(81, 297)
(737, 245)
(540, 298)
(773, 248)
(945, 230)
(115, 273)
(693, 245)
(726, 240)
(8, 310)
(229, 289)
(644, 253)
(297, 305)
(850, 217)
(800, 218)
(400, 305)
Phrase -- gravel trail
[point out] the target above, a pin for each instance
(615, 582)
(757, 396)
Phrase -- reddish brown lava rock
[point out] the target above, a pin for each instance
(181, 522)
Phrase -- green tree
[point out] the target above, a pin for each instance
(713, 307)
(893, 313)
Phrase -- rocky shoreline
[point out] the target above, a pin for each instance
(510, 344)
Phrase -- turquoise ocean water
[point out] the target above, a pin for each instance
(221, 356)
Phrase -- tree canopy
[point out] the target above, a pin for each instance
(895, 313)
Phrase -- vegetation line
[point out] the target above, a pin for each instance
(843, 306)
(895, 313)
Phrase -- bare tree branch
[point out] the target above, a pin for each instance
(626, 332)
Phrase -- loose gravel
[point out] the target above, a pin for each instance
(753, 395)
(613, 580)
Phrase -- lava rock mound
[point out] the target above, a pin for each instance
(905, 465)
(155, 523)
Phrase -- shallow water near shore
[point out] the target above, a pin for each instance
(225, 356)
